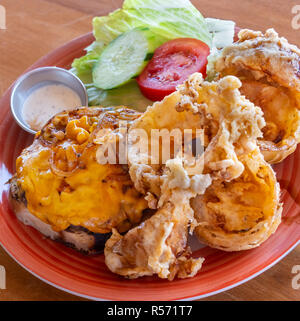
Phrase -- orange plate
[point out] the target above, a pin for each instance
(88, 277)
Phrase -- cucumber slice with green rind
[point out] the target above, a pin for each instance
(123, 59)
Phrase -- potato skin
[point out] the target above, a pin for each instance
(64, 127)
(76, 237)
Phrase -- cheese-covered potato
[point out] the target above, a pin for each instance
(63, 183)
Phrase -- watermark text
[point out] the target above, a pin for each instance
(296, 19)
(296, 278)
(2, 278)
(2, 17)
(154, 147)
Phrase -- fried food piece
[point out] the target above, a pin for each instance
(269, 68)
(230, 125)
(63, 184)
(241, 208)
(157, 246)
(243, 213)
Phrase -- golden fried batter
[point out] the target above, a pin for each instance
(157, 246)
(242, 213)
(231, 125)
(269, 68)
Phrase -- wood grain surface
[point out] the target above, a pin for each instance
(35, 27)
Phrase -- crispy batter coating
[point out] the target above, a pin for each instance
(157, 246)
(241, 208)
(231, 125)
(243, 213)
(269, 68)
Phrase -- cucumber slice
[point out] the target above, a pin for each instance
(123, 59)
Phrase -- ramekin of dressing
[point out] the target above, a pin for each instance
(41, 93)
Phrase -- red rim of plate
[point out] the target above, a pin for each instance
(88, 277)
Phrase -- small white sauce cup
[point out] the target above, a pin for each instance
(40, 77)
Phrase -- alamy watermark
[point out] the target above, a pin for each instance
(154, 147)
(2, 17)
(296, 19)
(2, 278)
(296, 278)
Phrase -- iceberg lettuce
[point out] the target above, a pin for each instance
(166, 20)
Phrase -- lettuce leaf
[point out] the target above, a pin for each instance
(127, 95)
(169, 18)
(166, 20)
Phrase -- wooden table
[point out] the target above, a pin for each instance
(35, 27)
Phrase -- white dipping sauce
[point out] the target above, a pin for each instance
(44, 102)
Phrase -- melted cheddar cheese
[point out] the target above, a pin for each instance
(79, 191)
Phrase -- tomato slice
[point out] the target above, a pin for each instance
(171, 64)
